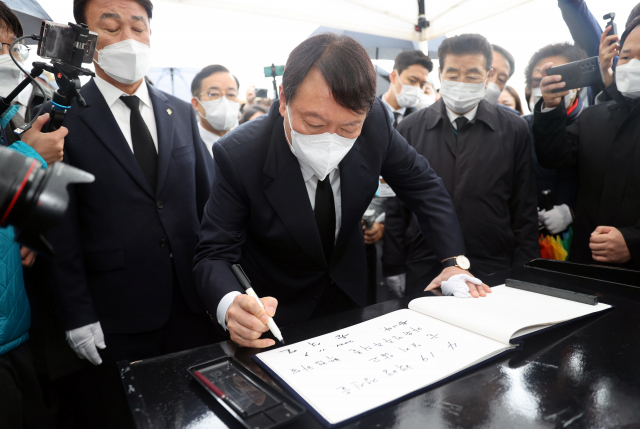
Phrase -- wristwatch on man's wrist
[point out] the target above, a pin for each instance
(457, 261)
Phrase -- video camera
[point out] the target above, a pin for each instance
(33, 199)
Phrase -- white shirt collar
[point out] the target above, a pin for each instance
(391, 109)
(470, 115)
(112, 94)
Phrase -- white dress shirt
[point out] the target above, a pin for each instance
(208, 137)
(401, 111)
(122, 113)
(470, 115)
(311, 183)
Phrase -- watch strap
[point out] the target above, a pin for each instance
(449, 263)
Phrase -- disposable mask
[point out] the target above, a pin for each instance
(536, 95)
(461, 97)
(320, 152)
(10, 77)
(425, 101)
(408, 96)
(492, 93)
(126, 61)
(628, 79)
(221, 114)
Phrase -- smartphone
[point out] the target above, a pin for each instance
(58, 41)
(578, 74)
(614, 26)
(261, 93)
(272, 71)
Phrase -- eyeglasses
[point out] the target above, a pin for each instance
(20, 51)
(216, 95)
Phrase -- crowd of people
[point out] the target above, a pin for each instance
(451, 181)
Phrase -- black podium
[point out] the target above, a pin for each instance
(582, 374)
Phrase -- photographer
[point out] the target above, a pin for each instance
(603, 144)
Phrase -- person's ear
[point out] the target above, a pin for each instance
(194, 103)
(393, 77)
(283, 102)
(439, 74)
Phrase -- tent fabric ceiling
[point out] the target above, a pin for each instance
(396, 18)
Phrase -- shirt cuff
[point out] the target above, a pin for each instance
(223, 306)
(547, 109)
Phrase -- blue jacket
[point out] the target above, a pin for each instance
(15, 313)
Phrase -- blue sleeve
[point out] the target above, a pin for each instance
(26, 150)
(585, 29)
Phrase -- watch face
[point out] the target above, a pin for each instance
(463, 262)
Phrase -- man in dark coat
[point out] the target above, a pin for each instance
(290, 188)
(603, 144)
(482, 153)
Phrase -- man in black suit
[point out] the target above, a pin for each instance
(407, 83)
(290, 188)
(122, 272)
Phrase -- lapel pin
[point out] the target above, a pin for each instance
(169, 111)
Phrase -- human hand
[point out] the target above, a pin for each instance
(475, 291)
(607, 245)
(608, 50)
(246, 320)
(28, 256)
(48, 145)
(397, 284)
(548, 84)
(84, 341)
(374, 234)
(557, 219)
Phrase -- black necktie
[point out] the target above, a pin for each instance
(460, 123)
(143, 148)
(396, 116)
(325, 212)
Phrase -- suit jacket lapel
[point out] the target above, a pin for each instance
(353, 175)
(165, 125)
(98, 117)
(288, 195)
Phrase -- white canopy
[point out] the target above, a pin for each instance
(390, 18)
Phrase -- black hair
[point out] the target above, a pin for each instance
(568, 50)
(343, 63)
(516, 97)
(466, 44)
(635, 12)
(80, 9)
(632, 26)
(250, 111)
(205, 73)
(406, 59)
(507, 56)
(9, 21)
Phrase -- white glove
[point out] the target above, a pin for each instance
(557, 219)
(457, 285)
(84, 341)
(397, 284)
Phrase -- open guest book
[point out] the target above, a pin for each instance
(357, 369)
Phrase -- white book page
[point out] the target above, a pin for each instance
(504, 311)
(356, 369)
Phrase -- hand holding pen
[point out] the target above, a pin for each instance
(249, 317)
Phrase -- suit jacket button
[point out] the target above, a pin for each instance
(163, 243)
(159, 204)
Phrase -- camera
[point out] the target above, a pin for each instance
(614, 27)
(58, 42)
(261, 93)
(33, 199)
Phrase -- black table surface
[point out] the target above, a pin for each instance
(582, 374)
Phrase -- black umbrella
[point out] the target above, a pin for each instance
(30, 14)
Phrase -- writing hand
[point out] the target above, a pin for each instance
(247, 321)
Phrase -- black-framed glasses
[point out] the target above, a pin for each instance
(20, 51)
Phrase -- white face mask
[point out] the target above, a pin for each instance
(10, 77)
(409, 95)
(460, 96)
(221, 114)
(127, 61)
(628, 79)
(320, 152)
(425, 101)
(536, 95)
(492, 93)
